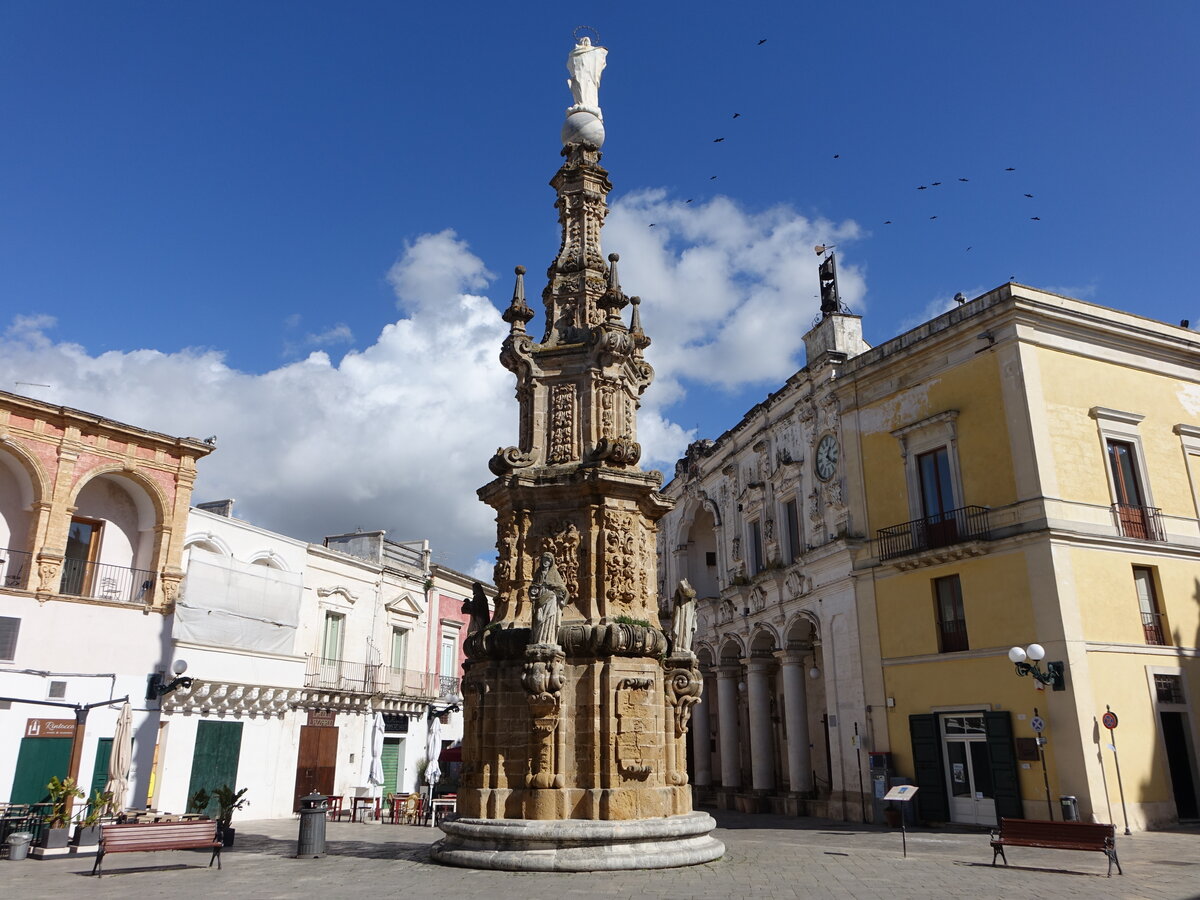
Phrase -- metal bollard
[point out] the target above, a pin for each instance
(311, 842)
(1070, 808)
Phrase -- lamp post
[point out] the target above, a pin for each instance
(1053, 674)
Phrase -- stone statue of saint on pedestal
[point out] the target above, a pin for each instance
(683, 618)
(585, 65)
(548, 594)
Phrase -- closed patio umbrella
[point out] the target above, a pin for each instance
(120, 759)
(433, 752)
(375, 776)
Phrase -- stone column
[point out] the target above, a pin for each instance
(795, 711)
(701, 758)
(762, 756)
(727, 726)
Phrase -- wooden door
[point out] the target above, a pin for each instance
(316, 762)
(37, 760)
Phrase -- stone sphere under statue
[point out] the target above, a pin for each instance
(583, 128)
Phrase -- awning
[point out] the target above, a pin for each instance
(451, 754)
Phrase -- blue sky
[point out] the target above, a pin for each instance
(197, 197)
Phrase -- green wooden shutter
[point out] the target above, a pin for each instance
(215, 759)
(932, 805)
(38, 760)
(391, 764)
(1005, 782)
(100, 769)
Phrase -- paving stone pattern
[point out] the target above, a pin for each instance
(767, 856)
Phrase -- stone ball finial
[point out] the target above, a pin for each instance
(520, 270)
(614, 257)
(583, 128)
(635, 300)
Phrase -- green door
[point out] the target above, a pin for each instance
(37, 761)
(215, 759)
(391, 764)
(100, 769)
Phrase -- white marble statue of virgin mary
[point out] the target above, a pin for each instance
(585, 65)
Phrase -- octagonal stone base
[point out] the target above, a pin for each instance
(578, 845)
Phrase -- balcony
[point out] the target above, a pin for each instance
(15, 568)
(968, 523)
(99, 581)
(1141, 522)
(1152, 627)
(448, 687)
(376, 679)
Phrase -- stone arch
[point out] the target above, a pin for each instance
(23, 484)
(732, 649)
(132, 506)
(206, 540)
(149, 499)
(804, 627)
(763, 639)
(705, 656)
(270, 559)
(698, 545)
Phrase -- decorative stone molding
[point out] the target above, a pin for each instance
(542, 677)
(941, 555)
(348, 595)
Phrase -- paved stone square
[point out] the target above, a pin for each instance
(766, 856)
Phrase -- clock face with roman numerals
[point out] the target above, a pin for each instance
(827, 457)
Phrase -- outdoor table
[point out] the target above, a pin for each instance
(440, 807)
(360, 806)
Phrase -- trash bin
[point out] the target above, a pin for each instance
(18, 844)
(1070, 808)
(311, 842)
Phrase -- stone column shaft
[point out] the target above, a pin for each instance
(727, 725)
(762, 756)
(701, 757)
(795, 711)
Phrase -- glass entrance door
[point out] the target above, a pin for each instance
(968, 769)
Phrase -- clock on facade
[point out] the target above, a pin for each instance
(827, 457)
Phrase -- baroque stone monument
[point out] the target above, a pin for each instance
(577, 705)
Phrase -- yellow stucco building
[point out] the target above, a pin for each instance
(1027, 470)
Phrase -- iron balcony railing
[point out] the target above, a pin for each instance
(968, 523)
(1142, 522)
(101, 581)
(448, 687)
(953, 636)
(1153, 628)
(15, 566)
(374, 678)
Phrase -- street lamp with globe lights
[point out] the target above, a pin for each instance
(1035, 653)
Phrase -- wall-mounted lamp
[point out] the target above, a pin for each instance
(814, 672)
(1053, 675)
(438, 713)
(155, 688)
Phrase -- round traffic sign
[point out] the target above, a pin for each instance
(1037, 724)
(1110, 720)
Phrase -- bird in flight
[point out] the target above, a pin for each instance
(652, 224)
(964, 179)
(932, 217)
(718, 140)
(712, 177)
(922, 188)
(1010, 169)
(1030, 196)
(968, 250)
(737, 115)
(837, 156)
(1035, 218)
(760, 43)
(689, 200)
(934, 183)
(888, 222)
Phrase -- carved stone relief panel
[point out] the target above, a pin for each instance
(563, 539)
(626, 558)
(562, 424)
(637, 728)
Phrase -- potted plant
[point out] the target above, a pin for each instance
(228, 800)
(61, 793)
(87, 832)
(198, 802)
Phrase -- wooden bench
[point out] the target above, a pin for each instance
(1056, 836)
(159, 836)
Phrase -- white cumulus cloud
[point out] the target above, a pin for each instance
(397, 435)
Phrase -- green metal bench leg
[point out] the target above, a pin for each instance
(998, 852)
(96, 868)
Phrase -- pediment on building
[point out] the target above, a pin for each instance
(405, 607)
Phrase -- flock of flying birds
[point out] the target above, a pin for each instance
(924, 187)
